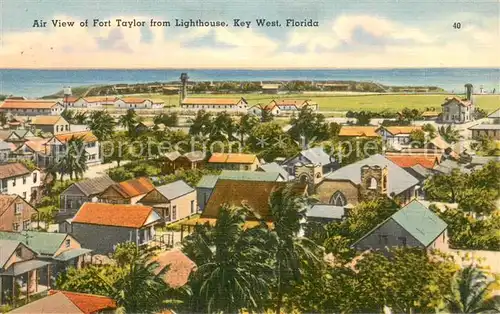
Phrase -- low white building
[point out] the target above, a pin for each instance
(138, 103)
(215, 104)
(278, 106)
(15, 178)
(94, 102)
(32, 107)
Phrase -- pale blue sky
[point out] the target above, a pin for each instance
(399, 28)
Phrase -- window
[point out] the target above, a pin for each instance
(383, 239)
(14, 182)
(19, 208)
(24, 180)
(205, 198)
(67, 243)
(192, 207)
(247, 168)
(35, 177)
(338, 199)
(24, 195)
(26, 225)
(15, 227)
(384, 183)
(402, 241)
(174, 212)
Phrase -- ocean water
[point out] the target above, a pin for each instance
(37, 83)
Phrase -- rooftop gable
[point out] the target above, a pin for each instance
(119, 215)
(174, 190)
(44, 243)
(15, 169)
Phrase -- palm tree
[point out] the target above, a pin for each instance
(288, 209)
(129, 120)
(247, 123)
(450, 134)
(68, 115)
(102, 124)
(233, 267)
(142, 288)
(74, 161)
(81, 118)
(470, 292)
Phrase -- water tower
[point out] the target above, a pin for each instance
(67, 93)
(184, 78)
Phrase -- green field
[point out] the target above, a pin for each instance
(353, 102)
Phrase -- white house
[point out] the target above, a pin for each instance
(94, 102)
(278, 106)
(32, 107)
(15, 178)
(58, 147)
(215, 104)
(138, 103)
(457, 110)
(397, 136)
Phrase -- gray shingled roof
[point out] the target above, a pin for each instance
(326, 211)
(399, 180)
(446, 166)
(419, 171)
(95, 185)
(207, 181)
(7, 248)
(316, 155)
(175, 189)
(275, 167)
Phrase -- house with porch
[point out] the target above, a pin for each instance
(173, 201)
(15, 178)
(69, 302)
(126, 192)
(397, 136)
(101, 227)
(60, 249)
(188, 161)
(215, 104)
(50, 124)
(59, 142)
(76, 194)
(414, 225)
(457, 110)
(16, 214)
(366, 179)
(20, 272)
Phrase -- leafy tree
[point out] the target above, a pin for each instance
(171, 119)
(266, 115)
(354, 149)
(471, 290)
(81, 118)
(245, 126)
(129, 120)
(117, 149)
(269, 141)
(417, 138)
(308, 126)
(288, 211)
(102, 124)
(479, 113)
(430, 129)
(88, 279)
(223, 127)
(445, 187)
(486, 145)
(408, 115)
(363, 117)
(201, 124)
(450, 134)
(68, 115)
(233, 272)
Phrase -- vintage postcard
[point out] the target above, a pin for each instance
(217, 156)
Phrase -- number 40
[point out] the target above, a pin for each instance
(457, 25)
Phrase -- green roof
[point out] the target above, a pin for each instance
(420, 222)
(249, 175)
(72, 253)
(207, 181)
(44, 243)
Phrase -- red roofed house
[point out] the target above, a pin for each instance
(236, 161)
(32, 107)
(139, 103)
(127, 192)
(215, 104)
(278, 106)
(59, 142)
(407, 161)
(69, 302)
(458, 110)
(100, 227)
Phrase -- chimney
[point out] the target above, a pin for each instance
(468, 92)
(184, 78)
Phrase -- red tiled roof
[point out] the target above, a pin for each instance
(46, 120)
(298, 103)
(233, 158)
(180, 267)
(100, 99)
(28, 104)
(88, 303)
(358, 131)
(211, 101)
(463, 102)
(10, 170)
(88, 136)
(396, 130)
(406, 161)
(135, 187)
(121, 215)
